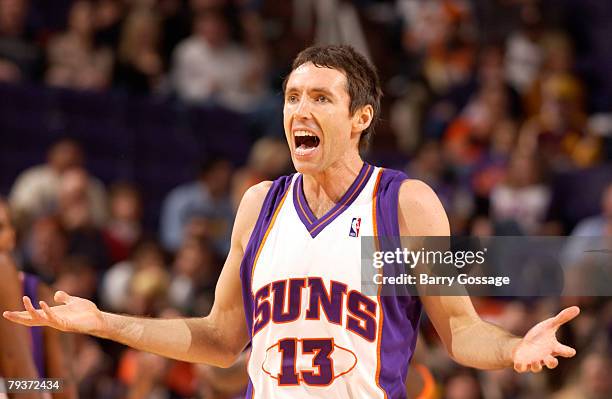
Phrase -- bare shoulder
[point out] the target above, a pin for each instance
(258, 191)
(248, 211)
(10, 285)
(253, 199)
(420, 211)
(8, 270)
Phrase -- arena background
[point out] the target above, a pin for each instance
(503, 106)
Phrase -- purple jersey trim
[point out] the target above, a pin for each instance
(270, 204)
(249, 391)
(30, 289)
(310, 221)
(400, 313)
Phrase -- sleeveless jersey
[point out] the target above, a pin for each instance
(314, 334)
(30, 288)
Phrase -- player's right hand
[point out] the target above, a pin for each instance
(75, 315)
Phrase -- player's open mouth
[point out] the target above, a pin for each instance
(305, 142)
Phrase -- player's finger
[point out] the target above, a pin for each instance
(564, 351)
(36, 314)
(520, 367)
(62, 297)
(551, 362)
(536, 367)
(23, 317)
(50, 315)
(566, 315)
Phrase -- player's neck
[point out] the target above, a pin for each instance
(325, 189)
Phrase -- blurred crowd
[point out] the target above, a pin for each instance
(501, 106)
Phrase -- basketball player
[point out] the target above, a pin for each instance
(291, 282)
(48, 356)
(16, 358)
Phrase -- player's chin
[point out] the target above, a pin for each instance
(308, 163)
(306, 168)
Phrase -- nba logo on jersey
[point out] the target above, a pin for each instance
(355, 227)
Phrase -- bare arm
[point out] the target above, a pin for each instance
(468, 339)
(216, 339)
(15, 355)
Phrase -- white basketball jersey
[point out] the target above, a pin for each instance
(313, 333)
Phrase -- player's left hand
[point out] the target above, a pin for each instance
(539, 347)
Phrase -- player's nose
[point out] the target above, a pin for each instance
(302, 109)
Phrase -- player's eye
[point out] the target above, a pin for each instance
(322, 99)
(292, 98)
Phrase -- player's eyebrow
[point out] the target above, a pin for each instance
(322, 90)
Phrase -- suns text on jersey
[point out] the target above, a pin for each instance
(271, 305)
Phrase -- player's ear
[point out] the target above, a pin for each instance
(362, 118)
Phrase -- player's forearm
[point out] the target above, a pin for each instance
(191, 340)
(483, 345)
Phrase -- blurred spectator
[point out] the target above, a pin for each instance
(194, 275)
(599, 225)
(442, 32)
(209, 67)
(502, 384)
(463, 385)
(74, 60)
(559, 131)
(558, 60)
(524, 54)
(269, 159)
(143, 373)
(489, 77)
(124, 227)
(20, 59)
(205, 5)
(430, 166)
(116, 281)
(74, 206)
(139, 64)
(46, 247)
(336, 22)
(590, 232)
(94, 368)
(150, 376)
(593, 381)
(75, 210)
(522, 197)
(426, 23)
(78, 276)
(176, 21)
(148, 291)
(35, 191)
(202, 207)
(229, 383)
(490, 170)
(469, 136)
(108, 18)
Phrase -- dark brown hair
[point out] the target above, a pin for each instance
(363, 85)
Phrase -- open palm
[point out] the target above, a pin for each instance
(539, 347)
(75, 315)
